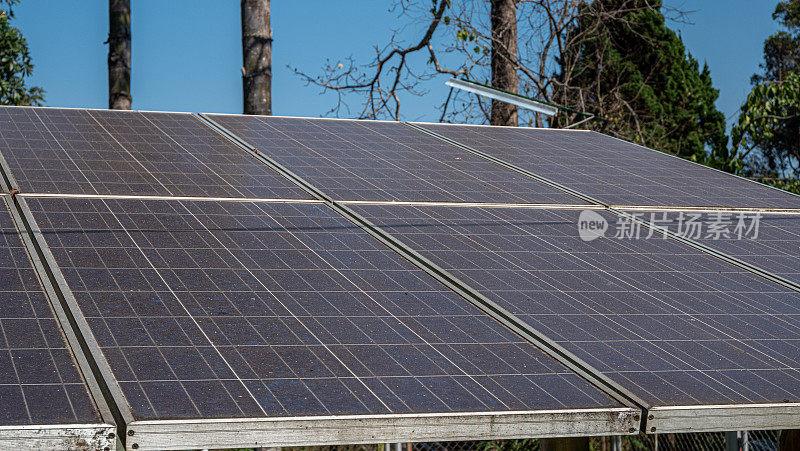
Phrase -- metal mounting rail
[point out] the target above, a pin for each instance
(707, 209)
(7, 181)
(540, 340)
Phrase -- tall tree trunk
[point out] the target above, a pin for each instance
(564, 444)
(789, 440)
(256, 57)
(119, 54)
(504, 58)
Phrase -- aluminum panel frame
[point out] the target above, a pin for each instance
(357, 429)
(730, 417)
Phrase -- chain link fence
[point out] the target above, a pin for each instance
(760, 441)
(711, 441)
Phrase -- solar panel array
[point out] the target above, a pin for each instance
(213, 309)
(253, 281)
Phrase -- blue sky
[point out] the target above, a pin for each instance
(187, 54)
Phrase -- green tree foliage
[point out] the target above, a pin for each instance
(634, 71)
(791, 184)
(769, 120)
(509, 445)
(7, 7)
(782, 50)
(15, 65)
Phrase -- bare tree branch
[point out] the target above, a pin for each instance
(391, 61)
(456, 41)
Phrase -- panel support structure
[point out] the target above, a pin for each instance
(565, 444)
(722, 417)
(731, 441)
(306, 431)
(62, 436)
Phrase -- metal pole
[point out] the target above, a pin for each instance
(731, 441)
(745, 441)
(503, 96)
(616, 443)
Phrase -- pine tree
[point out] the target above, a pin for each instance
(634, 71)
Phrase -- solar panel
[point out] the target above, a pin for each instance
(385, 161)
(768, 241)
(50, 150)
(229, 321)
(614, 171)
(675, 326)
(275, 321)
(46, 403)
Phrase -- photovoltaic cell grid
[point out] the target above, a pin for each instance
(674, 325)
(122, 152)
(613, 171)
(235, 309)
(190, 159)
(66, 151)
(385, 161)
(770, 242)
(40, 383)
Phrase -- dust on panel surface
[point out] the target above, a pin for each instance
(40, 383)
(66, 151)
(371, 160)
(768, 241)
(672, 324)
(238, 309)
(614, 171)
